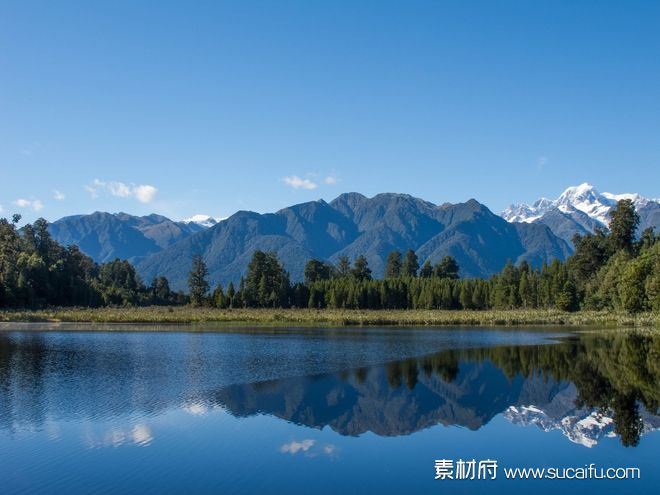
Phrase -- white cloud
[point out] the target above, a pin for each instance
(144, 193)
(93, 192)
(119, 189)
(330, 180)
(297, 183)
(33, 204)
(541, 162)
(294, 447)
(58, 195)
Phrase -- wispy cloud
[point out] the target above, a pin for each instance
(139, 435)
(294, 447)
(297, 183)
(58, 195)
(541, 162)
(330, 180)
(144, 193)
(196, 409)
(33, 204)
(309, 448)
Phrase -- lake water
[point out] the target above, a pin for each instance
(288, 411)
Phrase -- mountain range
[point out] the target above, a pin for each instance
(106, 236)
(581, 209)
(350, 225)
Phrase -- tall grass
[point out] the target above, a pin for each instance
(186, 314)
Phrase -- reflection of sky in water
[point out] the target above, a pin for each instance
(85, 414)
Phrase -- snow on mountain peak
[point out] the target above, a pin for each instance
(582, 427)
(584, 197)
(202, 220)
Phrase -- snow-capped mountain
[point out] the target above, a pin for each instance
(584, 198)
(581, 210)
(584, 429)
(205, 221)
(580, 425)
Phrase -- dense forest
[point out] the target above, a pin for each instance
(608, 270)
(36, 271)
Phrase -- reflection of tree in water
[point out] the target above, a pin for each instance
(613, 373)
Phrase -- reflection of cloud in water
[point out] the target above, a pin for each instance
(294, 447)
(52, 429)
(308, 447)
(139, 435)
(196, 409)
(330, 450)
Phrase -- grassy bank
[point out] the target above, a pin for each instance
(186, 314)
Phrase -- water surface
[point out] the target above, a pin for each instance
(322, 411)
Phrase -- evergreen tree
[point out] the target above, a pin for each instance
(266, 283)
(446, 268)
(343, 267)
(410, 264)
(160, 291)
(646, 240)
(567, 299)
(231, 294)
(427, 270)
(197, 283)
(393, 266)
(218, 298)
(361, 270)
(623, 224)
(316, 270)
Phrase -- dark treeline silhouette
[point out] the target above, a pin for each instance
(608, 270)
(36, 271)
(614, 374)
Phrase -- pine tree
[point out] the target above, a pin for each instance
(197, 283)
(410, 264)
(361, 270)
(343, 267)
(219, 300)
(446, 268)
(623, 225)
(393, 266)
(427, 270)
(231, 293)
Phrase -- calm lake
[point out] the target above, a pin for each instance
(288, 411)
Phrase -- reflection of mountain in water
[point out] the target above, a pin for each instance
(369, 400)
(578, 387)
(582, 425)
(587, 387)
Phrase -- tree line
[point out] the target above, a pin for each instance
(36, 271)
(608, 270)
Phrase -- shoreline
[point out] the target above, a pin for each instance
(330, 317)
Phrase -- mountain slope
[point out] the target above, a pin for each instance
(353, 225)
(106, 236)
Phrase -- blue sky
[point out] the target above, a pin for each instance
(211, 107)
